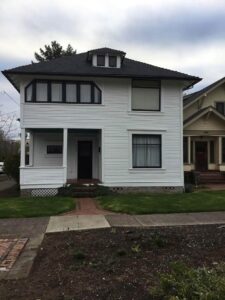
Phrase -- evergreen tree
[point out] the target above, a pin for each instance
(52, 51)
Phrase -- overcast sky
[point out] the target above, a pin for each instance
(187, 35)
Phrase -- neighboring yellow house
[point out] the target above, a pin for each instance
(204, 129)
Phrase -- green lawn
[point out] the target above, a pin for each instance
(164, 203)
(18, 207)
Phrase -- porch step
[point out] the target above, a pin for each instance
(80, 191)
(211, 177)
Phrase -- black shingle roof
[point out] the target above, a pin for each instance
(192, 97)
(78, 65)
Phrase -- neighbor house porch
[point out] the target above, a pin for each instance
(204, 152)
(51, 158)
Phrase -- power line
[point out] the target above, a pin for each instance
(10, 97)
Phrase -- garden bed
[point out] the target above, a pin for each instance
(114, 263)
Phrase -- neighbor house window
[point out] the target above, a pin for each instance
(146, 151)
(63, 92)
(112, 61)
(146, 95)
(185, 149)
(54, 149)
(101, 60)
(220, 107)
(212, 152)
(223, 150)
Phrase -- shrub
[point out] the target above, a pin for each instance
(188, 188)
(159, 241)
(185, 283)
(11, 166)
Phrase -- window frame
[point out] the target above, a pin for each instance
(160, 149)
(220, 102)
(101, 55)
(160, 95)
(113, 56)
(63, 82)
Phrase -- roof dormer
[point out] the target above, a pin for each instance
(106, 58)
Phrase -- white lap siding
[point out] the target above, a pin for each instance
(117, 123)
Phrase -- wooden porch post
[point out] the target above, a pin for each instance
(22, 147)
(189, 150)
(220, 150)
(65, 144)
(31, 149)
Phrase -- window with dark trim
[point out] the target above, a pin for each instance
(54, 149)
(211, 152)
(56, 91)
(185, 149)
(146, 95)
(146, 151)
(100, 60)
(112, 61)
(220, 107)
(223, 150)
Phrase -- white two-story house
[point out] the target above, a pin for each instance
(100, 117)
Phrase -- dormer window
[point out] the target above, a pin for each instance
(112, 61)
(101, 60)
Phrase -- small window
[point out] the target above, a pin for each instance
(101, 60)
(146, 151)
(185, 149)
(223, 150)
(112, 61)
(54, 149)
(85, 93)
(220, 107)
(29, 93)
(56, 92)
(42, 92)
(71, 93)
(97, 95)
(212, 152)
(146, 95)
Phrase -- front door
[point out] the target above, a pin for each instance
(201, 157)
(84, 159)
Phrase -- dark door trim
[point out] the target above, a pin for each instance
(84, 159)
(201, 156)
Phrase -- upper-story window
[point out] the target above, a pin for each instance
(146, 95)
(220, 107)
(112, 61)
(101, 60)
(63, 92)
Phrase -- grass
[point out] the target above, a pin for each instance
(19, 207)
(203, 201)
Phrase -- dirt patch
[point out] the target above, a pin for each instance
(114, 263)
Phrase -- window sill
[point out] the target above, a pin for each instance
(146, 170)
(65, 103)
(145, 113)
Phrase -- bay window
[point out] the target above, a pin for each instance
(146, 151)
(76, 92)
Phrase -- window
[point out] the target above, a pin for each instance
(41, 92)
(146, 151)
(223, 150)
(146, 95)
(112, 61)
(54, 149)
(185, 149)
(71, 92)
(220, 107)
(85, 92)
(101, 60)
(56, 92)
(212, 152)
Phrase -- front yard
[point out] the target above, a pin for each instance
(125, 263)
(203, 201)
(21, 207)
